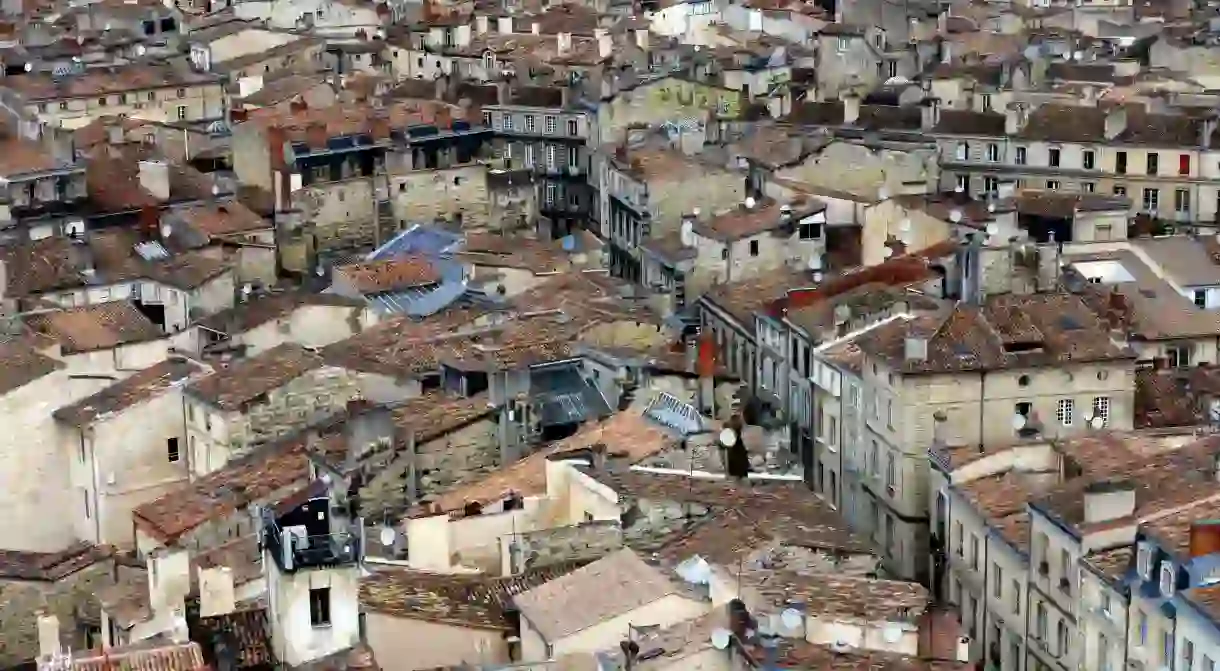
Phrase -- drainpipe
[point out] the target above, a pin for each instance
(97, 513)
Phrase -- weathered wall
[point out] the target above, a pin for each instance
(577, 542)
(423, 196)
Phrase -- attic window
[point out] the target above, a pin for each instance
(1022, 347)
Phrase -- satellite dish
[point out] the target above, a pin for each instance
(721, 639)
(141, 50)
(325, 478)
(749, 202)
(688, 234)
(815, 262)
(1079, 55)
(1018, 422)
(387, 536)
(107, 27)
(1031, 52)
(955, 216)
(29, 67)
(883, 193)
(991, 207)
(889, 251)
(958, 189)
(1097, 422)
(792, 618)
(320, 271)
(215, 189)
(246, 290)
(728, 436)
(904, 225)
(993, 229)
(892, 634)
(166, 230)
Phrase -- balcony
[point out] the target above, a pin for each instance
(293, 549)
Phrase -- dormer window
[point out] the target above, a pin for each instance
(1166, 579)
(1144, 561)
(962, 151)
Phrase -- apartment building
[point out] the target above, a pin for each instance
(158, 92)
(1078, 552)
(1166, 163)
(537, 129)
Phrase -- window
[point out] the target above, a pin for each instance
(529, 123)
(551, 192)
(319, 606)
(1167, 647)
(1064, 638)
(842, 46)
(986, 102)
(962, 153)
(172, 449)
(551, 161)
(572, 128)
(1143, 625)
(182, 112)
(528, 156)
(1184, 164)
(1021, 156)
(998, 589)
(891, 470)
(993, 153)
(1063, 413)
(991, 184)
(1016, 597)
(809, 231)
(1052, 184)
(1040, 621)
(963, 183)
(1120, 163)
(1053, 155)
(1154, 163)
(487, 119)
(63, 106)
(1201, 298)
(1152, 200)
(1178, 355)
(1143, 561)
(181, 93)
(548, 125)
(1101, 408)
(1089, 159)
(1088, 187)
(1188, 655)
(507, 121)
(1166, 579)
(753, 248)
(1120, 191)
(1181, 201)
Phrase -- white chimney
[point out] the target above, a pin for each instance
(48, 635)
(605, 45)
(154, 177)
(851, 108)
(480, 25)
(169, 581)
(563, 42)
(641, 38)
(216, 596)
(535, 28)
(249, 85)
(504, 25)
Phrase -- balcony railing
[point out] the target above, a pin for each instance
(293, 551)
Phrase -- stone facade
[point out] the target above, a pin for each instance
(579, 542)
(449, 194)
(468, 454)
(71, 599)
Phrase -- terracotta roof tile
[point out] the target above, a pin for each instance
(259, 310)
(128, 392)
(88, 328)
(244, 381)
(173, 657)
(741, 222)
(390, 275)
(100, 81)
(221, 219)
(51, 566)
(21, 364)
(476, 601)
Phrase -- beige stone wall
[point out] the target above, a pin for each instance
(200, 102)
(74, 595)
(464, 455)
(423, 196)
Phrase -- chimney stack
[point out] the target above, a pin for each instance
(851, 108)
(48, 635)
(504, 25)
(931, 113)
(154, 177)
(1204, 538)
